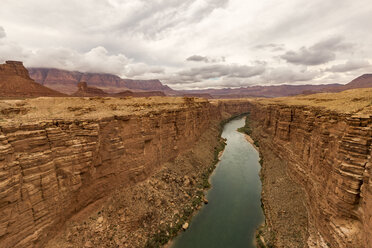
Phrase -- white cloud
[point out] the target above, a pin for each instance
(289, 75)
(350, 65)
(147, 39)
(320, 53)
(2, 32)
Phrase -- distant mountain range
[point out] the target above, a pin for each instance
(17, 81)
(364, 81)
(66, 81)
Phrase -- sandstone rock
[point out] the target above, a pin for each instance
(185, 226)
(88, 244)
(100, 220)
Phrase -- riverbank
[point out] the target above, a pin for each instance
(234, 211)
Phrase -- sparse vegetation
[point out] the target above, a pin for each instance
(246, 128)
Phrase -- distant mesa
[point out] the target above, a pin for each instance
(15, 81)
(65, 81)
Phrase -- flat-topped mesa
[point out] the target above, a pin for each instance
(14, 68)
(16, 82)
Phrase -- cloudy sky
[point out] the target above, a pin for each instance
(191, 44)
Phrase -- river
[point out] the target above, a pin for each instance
(234, 210)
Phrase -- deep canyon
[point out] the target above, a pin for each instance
(128, 172)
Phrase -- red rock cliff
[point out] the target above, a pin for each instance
(329, 155)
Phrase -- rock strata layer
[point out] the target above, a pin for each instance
(329, 155)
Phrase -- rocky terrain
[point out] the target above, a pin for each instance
(66, 81)
(16, 82)
(84, 91)
(317, 168)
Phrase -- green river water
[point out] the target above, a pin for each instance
(234, 210)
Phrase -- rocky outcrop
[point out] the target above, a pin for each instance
(16, 82)
(51, 169)
(329, 155)
(11, 68)
(84, 91)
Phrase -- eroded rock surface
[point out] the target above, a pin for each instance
(329, 155)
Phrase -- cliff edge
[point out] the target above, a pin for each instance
(323, 142)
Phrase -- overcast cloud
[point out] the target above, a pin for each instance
(193, 43)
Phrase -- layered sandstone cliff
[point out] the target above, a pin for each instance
(59, 155)
(327, 152)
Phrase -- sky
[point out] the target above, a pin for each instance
(194, 44)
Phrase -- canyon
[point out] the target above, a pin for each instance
(60, 155)
(129, 172)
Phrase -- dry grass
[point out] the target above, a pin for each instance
(356, 101)
(67, 108)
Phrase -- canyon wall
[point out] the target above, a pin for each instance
(51, 169)
(329, 155)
